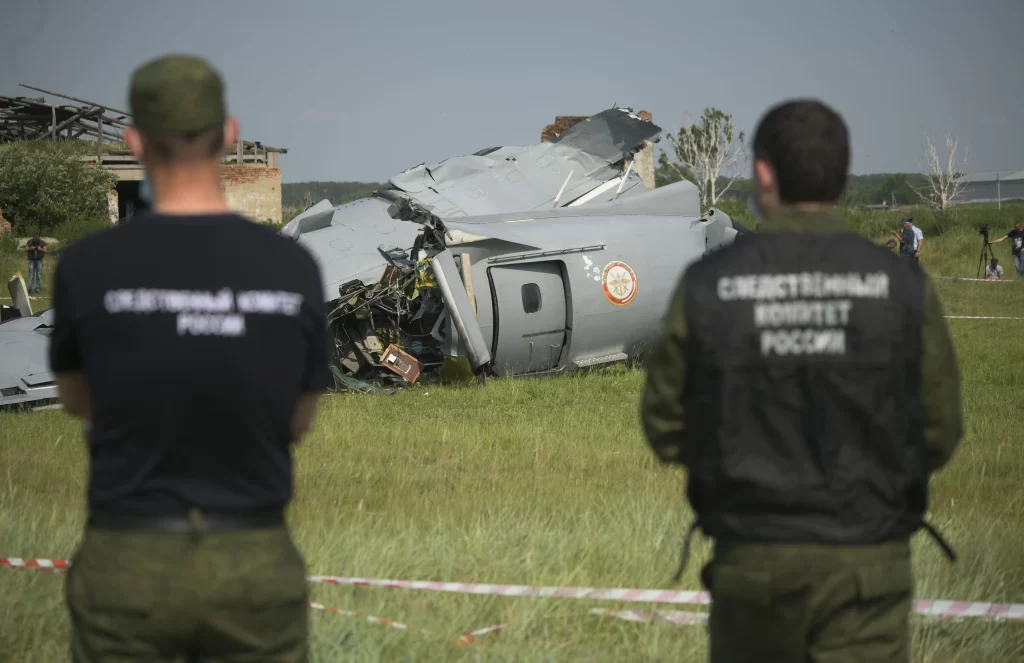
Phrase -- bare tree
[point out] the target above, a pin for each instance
(945, 178)
(707, 151)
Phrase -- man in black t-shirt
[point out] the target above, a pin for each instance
(35, 249)
(193, 385)
(1016, 236)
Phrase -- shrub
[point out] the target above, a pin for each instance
(44, 185)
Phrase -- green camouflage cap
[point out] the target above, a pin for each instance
(176, 94)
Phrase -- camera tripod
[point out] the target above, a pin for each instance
(987, 254)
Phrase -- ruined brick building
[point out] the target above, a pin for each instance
(252, 173)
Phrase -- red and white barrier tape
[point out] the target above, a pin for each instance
(470, 638)
(594, 593)
(467, 638)
(370, 618)
(957, 609)
(940, 609)
(30, 563)
(935, 608)
(679, 617)
(979, 317)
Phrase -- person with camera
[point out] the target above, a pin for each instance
(1017, 248)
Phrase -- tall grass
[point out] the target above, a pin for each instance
(540, 481)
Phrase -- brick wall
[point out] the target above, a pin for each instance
(254, 192)
(561, 124)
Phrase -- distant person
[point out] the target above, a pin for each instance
(35, 249)
(194, 383)
(906, 238)
(806, 379)
(994, 271)
(918, 238)
(1016, 248)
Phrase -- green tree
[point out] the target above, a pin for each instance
(895, 189)
(304, 194)
(668, 172)
(707, 151)
(46, 186)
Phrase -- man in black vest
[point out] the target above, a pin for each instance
(907, 240)
(195, 384)
(806, 380)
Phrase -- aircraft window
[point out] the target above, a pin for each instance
(531, 298)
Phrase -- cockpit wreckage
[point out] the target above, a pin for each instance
(542, 259)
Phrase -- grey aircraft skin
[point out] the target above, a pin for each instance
(570, 260)
(25, 376)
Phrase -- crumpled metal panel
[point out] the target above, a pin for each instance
(580, 226)
(316, 217)
(512, 179)
(609, 134)
(24, 360)
(347, 248)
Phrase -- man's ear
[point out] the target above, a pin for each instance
(133, 139)
(230, 133)
(766, 190)
(765, 175)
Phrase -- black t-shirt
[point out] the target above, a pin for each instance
(197, 335)
(35, 249)
(1017, 240)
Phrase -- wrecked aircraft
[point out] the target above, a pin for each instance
(25, 376)
(513, 260)
(541, 259)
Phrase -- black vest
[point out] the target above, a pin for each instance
(803, 391)
(907, 246)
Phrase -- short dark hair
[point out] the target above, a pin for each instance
(181, 148)
(808, 145)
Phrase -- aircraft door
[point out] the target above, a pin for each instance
(529, 317)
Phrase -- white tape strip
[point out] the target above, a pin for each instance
(370, 618)
(965, 278)
(980, 318)
(680, 617)
(593, 593)
(469, 638)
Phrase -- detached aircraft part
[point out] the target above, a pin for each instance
(460, 310)
(19, 295)
(25, 377)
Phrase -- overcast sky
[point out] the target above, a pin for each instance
(363, 90)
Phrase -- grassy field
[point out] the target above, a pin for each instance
(544, 481)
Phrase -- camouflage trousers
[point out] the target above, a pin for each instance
(225, 597)
(799, 603)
